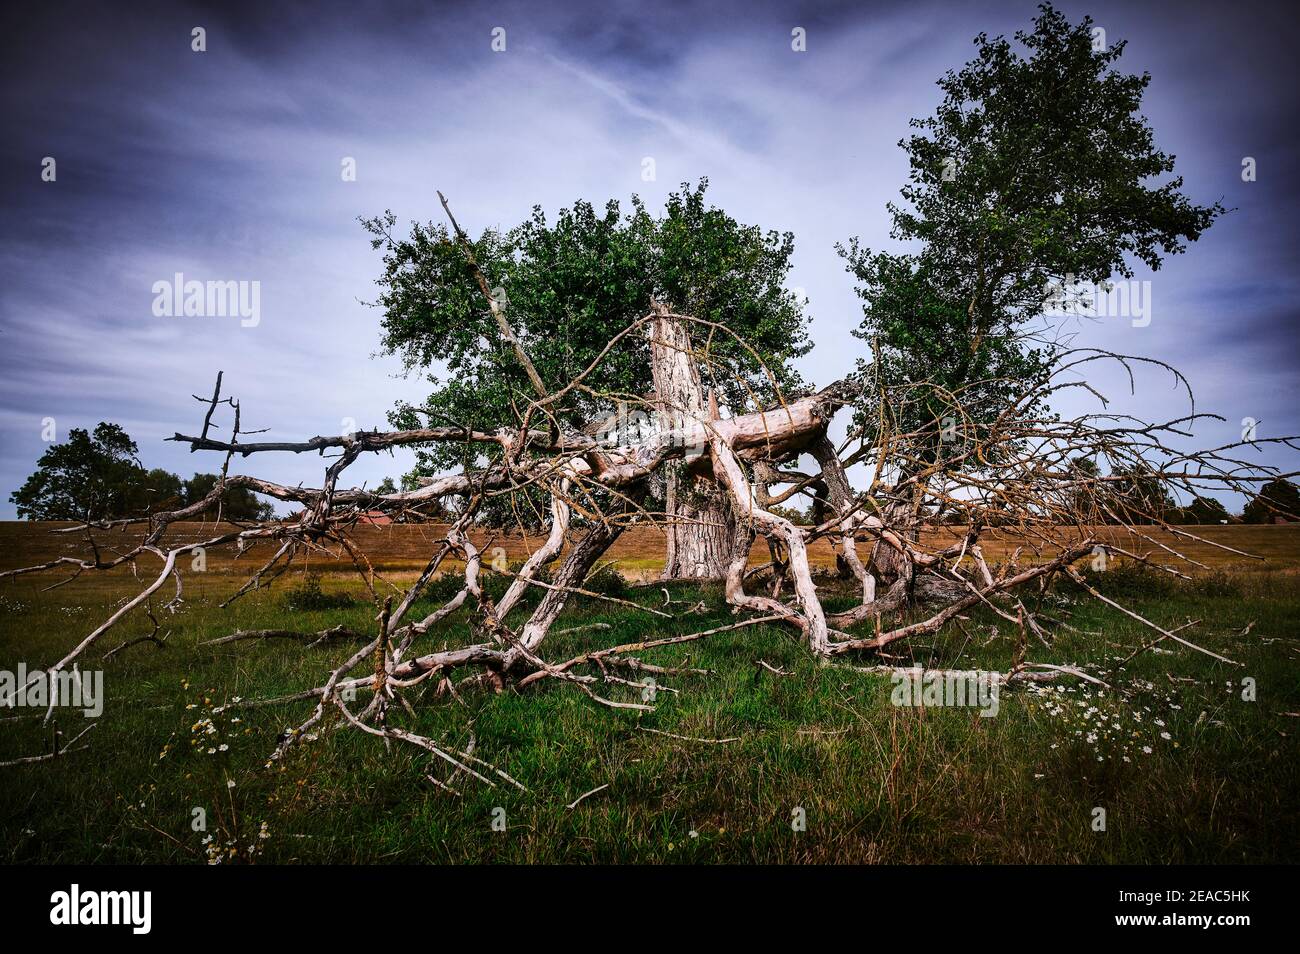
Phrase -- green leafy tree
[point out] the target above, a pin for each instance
(93, 476)
(1136, 496)
(156, 489)
(96, 476)
(1277, 498)
(570, 285)
(799, 518)
(1200, 510)
(1036, 169)
(237, 503)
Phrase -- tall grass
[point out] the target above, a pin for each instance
(875, 782)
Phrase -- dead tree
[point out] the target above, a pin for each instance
(1013, 475)
(700, 524)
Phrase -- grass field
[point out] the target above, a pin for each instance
(1184, 767)
(638, 553)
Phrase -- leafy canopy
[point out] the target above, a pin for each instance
(568, 287)
(1037, 166)
(92, 476)
(1276, 499)
(96, 476)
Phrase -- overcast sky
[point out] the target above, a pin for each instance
(226, 165)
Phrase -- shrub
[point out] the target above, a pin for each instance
(308, 595)
(443, 587)
(1127, 579)
(1217, 585)
(606, 581)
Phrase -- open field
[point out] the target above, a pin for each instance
(638, 553)
(1185, 768)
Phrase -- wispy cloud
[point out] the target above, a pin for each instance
(226, 165)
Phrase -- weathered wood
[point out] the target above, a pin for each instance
(700, 525)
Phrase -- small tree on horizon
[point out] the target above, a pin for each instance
(97, 476)
(88, 477)
(1277, 498)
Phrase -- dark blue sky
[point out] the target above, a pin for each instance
(225, 165)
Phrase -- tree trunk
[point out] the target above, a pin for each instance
(700, 530)
(888, 563)
(700, 521)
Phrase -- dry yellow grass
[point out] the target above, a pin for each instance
(638, 552)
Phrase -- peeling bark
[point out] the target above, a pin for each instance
(700, 526)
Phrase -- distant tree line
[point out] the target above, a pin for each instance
(98, 476)
(1136, 498)
(1143, 498)
(1276, 499)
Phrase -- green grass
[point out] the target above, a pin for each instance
(878, 783)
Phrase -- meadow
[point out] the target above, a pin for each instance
(770, 756)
